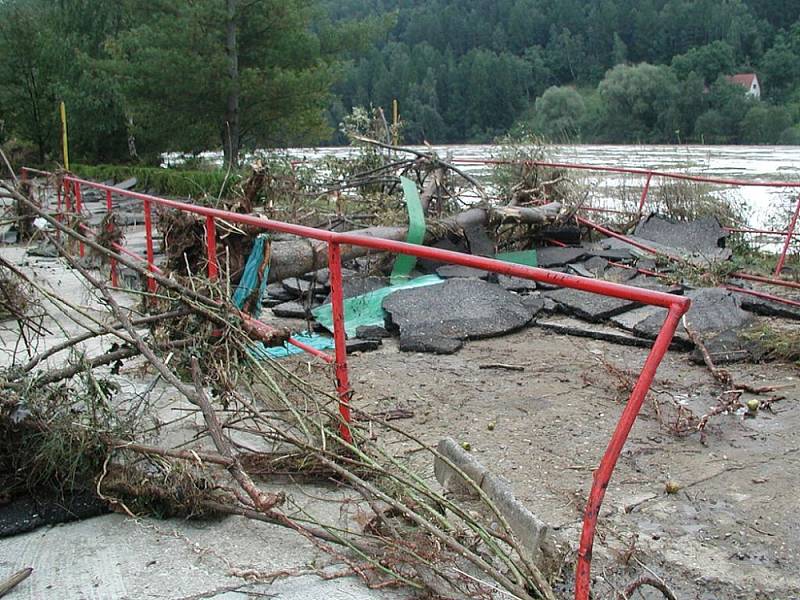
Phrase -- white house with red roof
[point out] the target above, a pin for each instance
(749, 81)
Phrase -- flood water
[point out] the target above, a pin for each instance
(762, 207)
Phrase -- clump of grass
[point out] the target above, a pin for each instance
(710, 274)
(195, 184)
(685, 201)
(778, 344)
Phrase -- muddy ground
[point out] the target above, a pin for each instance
(730, 532)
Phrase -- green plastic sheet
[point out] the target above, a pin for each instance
(523, 257)
(367, 309)
(404, 264)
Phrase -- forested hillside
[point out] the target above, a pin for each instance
(140, 78)
(595, 70)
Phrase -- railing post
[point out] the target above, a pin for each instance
(603, 473)
(113, 262)
(644, 192)
(211, 246)
(339, 338)
(148, 232)
(79, 212)
(788, 242)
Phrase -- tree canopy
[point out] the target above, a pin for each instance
(139, 78)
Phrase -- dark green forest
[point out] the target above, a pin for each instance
(141, 78)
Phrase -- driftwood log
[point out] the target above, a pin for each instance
(296, 257)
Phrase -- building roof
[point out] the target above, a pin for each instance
(743, 79)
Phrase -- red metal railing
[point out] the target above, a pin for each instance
(676, 307)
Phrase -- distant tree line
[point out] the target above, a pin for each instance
(141, 78)
(583, 70)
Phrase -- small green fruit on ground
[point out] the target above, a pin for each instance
(466, 446)
(672, 487)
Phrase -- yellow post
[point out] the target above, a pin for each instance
(64, 144)
(395, 118)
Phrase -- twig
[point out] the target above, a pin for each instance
(502, 366)
(721, 375)
(13, 581)
(647, 581)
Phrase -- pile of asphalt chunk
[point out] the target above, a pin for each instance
(439, 318)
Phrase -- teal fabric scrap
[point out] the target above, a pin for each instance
(249, 281)
(261, 352)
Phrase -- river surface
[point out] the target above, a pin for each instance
(763, 207)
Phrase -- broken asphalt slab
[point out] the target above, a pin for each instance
(592, 307)
(438, 318)
(595, 331)
(553, 256)
(704, 237)
(768, 308)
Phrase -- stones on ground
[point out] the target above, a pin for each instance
(474, 231)
(297, 286)
(453, 271)
(127, 184)
(704, 238)
(453, 245)
(438, 318)
(362, 345)
(426, 342)
(729, 346)
(581, 271)
(322, 276)
(619, 274)
(358, 286)
(290, 310)
(714, 310)
(277, 292)
(596, 265)
(372, 332)
(533, 533)
(44, 249)
(558, 257)
(592, 307)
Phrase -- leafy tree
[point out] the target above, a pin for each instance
(764, 124)
(708, 61)
(558, 113)
(639, 100)
(780, 69)
(200, 73)
(29, 89)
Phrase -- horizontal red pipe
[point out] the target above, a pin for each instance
(487, 264)
(764, 295)
(769, 280)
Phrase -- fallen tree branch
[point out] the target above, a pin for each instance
(263, 502)
(723, 376)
